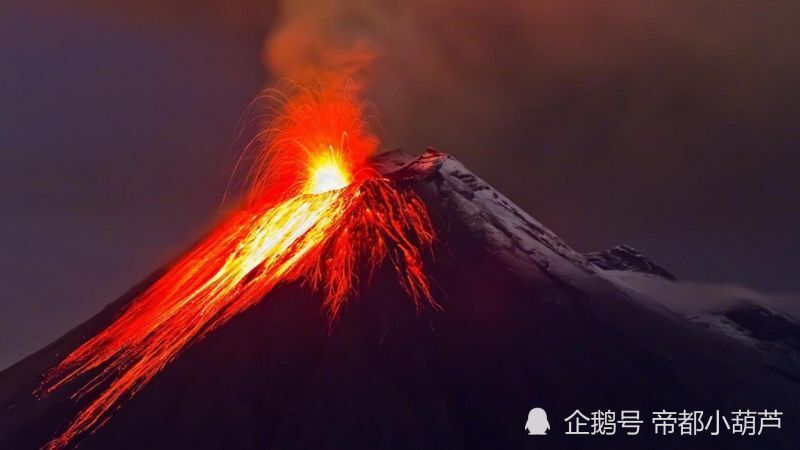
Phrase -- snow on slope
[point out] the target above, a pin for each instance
(767, 323)
(515, 237)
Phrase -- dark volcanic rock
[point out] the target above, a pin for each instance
(624, 257)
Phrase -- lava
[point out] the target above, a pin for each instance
(315, 213)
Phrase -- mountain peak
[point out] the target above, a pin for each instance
(525, 321)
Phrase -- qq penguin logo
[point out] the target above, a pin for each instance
(537, 422)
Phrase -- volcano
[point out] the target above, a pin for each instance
(520, 320)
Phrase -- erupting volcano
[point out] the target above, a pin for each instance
(315, 211)
(300, 322)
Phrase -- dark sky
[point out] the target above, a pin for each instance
(667, 125)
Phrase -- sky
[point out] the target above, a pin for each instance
(666, 125)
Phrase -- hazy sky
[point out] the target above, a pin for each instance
(667, 125)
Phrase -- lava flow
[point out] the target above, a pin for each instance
(315, 212)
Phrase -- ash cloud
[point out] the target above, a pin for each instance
(490, 63)
(321, 39)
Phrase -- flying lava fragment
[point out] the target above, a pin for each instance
(315, 212)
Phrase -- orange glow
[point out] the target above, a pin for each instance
(315, 213)
(326, 173)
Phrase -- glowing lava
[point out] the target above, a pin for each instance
(327, 173)
(315, 212)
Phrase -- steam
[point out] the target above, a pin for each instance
(691, 298)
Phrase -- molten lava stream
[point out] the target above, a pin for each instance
(324, 234)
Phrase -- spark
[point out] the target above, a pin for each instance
(315, 213)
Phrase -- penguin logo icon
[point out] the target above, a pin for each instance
(537, 423)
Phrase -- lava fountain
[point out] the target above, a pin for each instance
(315, 212)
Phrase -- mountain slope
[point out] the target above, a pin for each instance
(526, 321)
